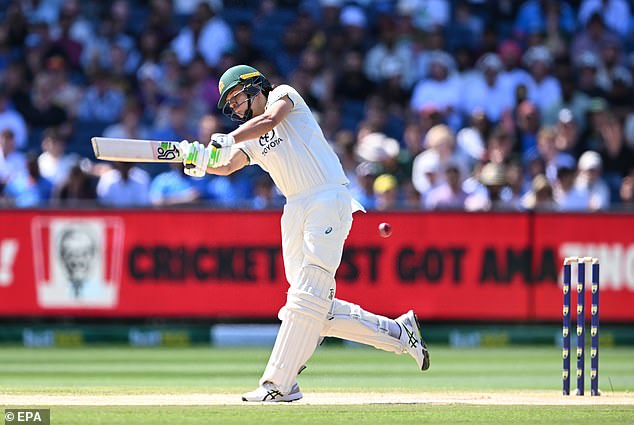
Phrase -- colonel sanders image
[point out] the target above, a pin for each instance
(77, 251)
(78, 272)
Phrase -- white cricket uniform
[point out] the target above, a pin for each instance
(308, 173)
(315, 224)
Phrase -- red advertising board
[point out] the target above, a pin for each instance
(446, 266)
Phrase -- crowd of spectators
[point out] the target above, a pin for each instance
(430, 104)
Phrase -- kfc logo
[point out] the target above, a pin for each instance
(77, 261)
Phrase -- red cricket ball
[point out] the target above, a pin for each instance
(385, 230)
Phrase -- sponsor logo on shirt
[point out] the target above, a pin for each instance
(269, 141)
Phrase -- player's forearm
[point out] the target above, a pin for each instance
(254, 128)
(238, 161)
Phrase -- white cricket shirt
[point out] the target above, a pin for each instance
(295, 153)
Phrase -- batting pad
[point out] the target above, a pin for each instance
(351, 322)
(303, 317)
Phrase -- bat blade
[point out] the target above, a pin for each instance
(136, 150)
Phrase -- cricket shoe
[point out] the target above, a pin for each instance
(269, 393)
(412, 339)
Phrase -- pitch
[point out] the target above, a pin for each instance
(122, 385)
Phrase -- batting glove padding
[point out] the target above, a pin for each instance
(195, 158)
(220, 149)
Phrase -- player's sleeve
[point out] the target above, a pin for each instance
(284, 90)
(247, 148)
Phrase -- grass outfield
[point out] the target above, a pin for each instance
(342, 385)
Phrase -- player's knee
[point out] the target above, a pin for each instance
(312, 294)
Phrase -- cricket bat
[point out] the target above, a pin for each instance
(136, 150)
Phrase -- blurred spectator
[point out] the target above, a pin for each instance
(617, 158)
(486, 91)
(515, 187)
(595, 119)
(344, 147)
(172, 123)
(378, 148)
(470, 140)
(589, 179)
(449, 194)
(12, 162)
(98, 54)
(149, 47)
(70, 49)
(124, 186)
(429, 166)
(552, 157)
(79, 30)
(512, 75)
(611, 59)
(206, 34)
(161, 20)
(543, 89)
(244, 51)
(11, 119)
(615, 14)
(626, 191)
(493, 179)
(352, 84)
(593, 38)
(385, 189)
(79, 189)
(354, 23)
(129, 126)
(388, 57)
(265, 195)
(588, 66)
(441, 90)
(465, 27)
(528, 122)
(540, 197)
(151, 92)
(568, 196)
(17, 26)
(40, 110)
(536, 16)
(363, 187)
(101, 101)
(573, 100)
(67, 94)
(499, 146)
(621, 93)
(172, 187)
(425, 14)
(567, 134)
(54, 163)
(30, 189)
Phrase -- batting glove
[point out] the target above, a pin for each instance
(220, 149)
(195, 158)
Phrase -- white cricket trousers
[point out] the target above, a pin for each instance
(315, 226)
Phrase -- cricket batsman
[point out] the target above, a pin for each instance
(279, 133)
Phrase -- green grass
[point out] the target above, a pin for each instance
(349, 415)
(122, 370)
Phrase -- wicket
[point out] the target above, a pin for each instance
(581, 324)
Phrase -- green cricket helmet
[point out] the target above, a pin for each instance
(252, 81)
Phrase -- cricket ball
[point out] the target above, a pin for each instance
(385, 230)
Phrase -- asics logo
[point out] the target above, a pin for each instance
(273, 394)
(413, 342)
